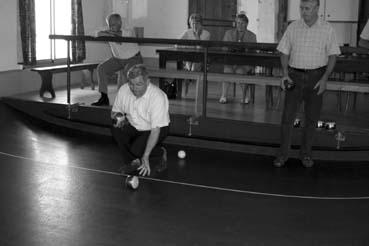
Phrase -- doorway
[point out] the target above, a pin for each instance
(218, 15)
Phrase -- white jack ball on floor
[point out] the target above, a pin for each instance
(181, 154)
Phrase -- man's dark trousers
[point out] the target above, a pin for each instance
(305, 81)
(132, 143)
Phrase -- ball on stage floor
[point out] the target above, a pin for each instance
(181, 154)
(132, 182)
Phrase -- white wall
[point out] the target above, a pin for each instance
(262, 18)
(159, 18)
(94, 13)
(267, 18)
(250, 7)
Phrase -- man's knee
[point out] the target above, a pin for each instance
(119, 135)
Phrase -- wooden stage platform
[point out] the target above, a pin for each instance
(252, 128)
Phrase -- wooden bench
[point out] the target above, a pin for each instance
(332, 85)
(339, 86)
(248, 79)
(214, 77)
(180, 74)
(46, 74)
(350, 89)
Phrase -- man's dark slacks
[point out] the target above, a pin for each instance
(132, 143)
(303, 92)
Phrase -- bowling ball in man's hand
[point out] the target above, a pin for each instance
(289, 85)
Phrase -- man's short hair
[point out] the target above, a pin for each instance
(136, 71)
(242, 17)
(113, 16)
(317, 1)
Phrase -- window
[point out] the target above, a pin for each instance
(52, 17)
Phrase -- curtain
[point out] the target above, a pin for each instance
(27, 31)
(282, 18)
(78, 46)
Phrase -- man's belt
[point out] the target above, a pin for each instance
(303, 70)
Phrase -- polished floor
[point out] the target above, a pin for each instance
(63, 188)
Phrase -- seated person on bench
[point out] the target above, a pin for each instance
(125, 55)
(141, 115)
(196, 32)
(238, 34)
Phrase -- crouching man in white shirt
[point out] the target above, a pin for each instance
(140, 116)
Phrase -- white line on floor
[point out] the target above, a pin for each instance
(192, 185)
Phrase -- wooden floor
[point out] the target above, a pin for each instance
(61, 188)
(351, 116)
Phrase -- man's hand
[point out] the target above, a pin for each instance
(284, 78)
(120, 121)
(322, 84)
(109, 33)
(145, 166)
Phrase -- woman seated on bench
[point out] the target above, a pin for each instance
(238, 34)
(196, 32)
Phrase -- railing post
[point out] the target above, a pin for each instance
(68, 79)
(205, 82)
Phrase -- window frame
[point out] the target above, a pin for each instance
(52, 60)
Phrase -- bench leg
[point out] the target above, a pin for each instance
(84, 76)
(348, 99)
(268, 97)
(198, 96)
(179, 83)
(252, 93)
(46, 84)
(92, 79)
(354, 101)
(339, 101)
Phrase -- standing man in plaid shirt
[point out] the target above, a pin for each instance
(308, 55)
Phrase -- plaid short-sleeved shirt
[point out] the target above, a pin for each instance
(309, 47)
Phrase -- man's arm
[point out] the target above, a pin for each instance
(284, 63)
(330, 66)
(322, 83)
(151, 141)
(150, 144)
(108, 33)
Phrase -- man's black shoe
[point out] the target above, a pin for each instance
(103, 101)
(131, 168)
